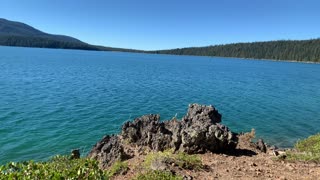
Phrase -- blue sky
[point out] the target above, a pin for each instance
(165, 24)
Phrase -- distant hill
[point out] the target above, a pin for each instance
(297, 50)
(19, 34)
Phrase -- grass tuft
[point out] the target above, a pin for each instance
(118, 167)
(157, 175)
(183, 160)
(187, 161)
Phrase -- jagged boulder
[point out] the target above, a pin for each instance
(198, 131)
(108, 150)
(147, 131)
(201, 131)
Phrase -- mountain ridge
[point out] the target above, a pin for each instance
(14, 33)
(14, 28)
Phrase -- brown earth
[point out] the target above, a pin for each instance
(198, 132)
(246, 162)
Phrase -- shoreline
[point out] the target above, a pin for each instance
(146, 52)
(255, 59)
(192, 148)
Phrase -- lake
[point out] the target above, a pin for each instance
(52, 101)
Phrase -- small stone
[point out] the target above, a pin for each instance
(253, 164)
(187, 177)
(159, 165)
(283, 178)
(75, 154)
(311, 171)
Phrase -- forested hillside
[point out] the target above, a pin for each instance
(43, 43)
(19, 34)
(298, 50)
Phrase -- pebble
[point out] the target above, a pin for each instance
(311, 171)
(253, 164)
(283, 178)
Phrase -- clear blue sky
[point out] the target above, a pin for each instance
(163, 24)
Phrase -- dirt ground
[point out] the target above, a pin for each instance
(246, 163)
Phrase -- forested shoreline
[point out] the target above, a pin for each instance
(295, 50)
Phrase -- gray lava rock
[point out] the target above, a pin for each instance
(261, 146)
(75, 154)
(147, 131)
(108, 150)
(160, 164)
(202, 132)
(198, 131)
(202, 115)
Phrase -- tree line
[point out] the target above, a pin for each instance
(43, 42)
(25, 41)
(298, 50)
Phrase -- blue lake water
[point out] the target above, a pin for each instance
(52, 101)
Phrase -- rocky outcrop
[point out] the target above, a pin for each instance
(260, 145)
(108, 150)
(198, 131)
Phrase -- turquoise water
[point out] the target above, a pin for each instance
(52, 101)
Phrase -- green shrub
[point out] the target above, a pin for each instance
(59, 167)
(298, 156)
(311, 144)
(307, 150)
(188, 161)
(117, 168)
(183, 160)
(157, 175)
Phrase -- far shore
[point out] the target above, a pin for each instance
(150, 52)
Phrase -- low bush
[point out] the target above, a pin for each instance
(59, 167)
(306, 150)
